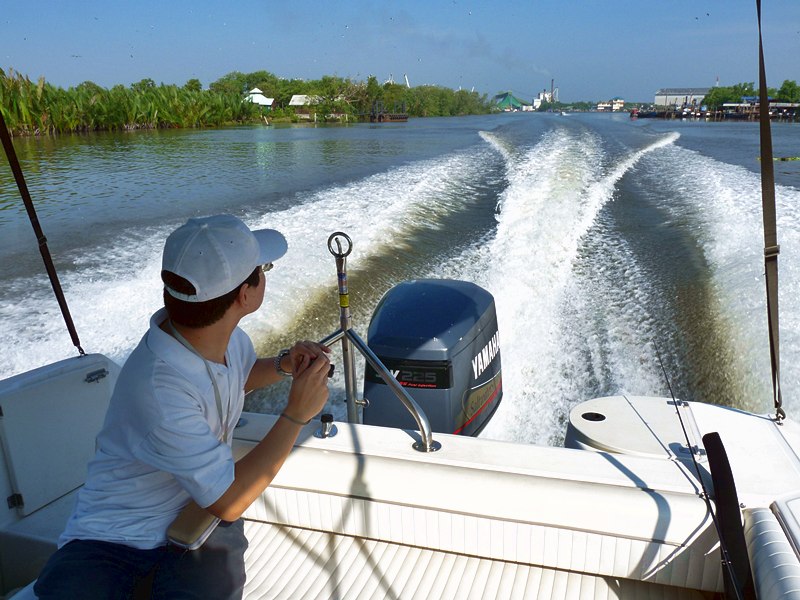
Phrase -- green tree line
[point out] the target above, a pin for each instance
(717, 96)
(344, 96)
(31, 108)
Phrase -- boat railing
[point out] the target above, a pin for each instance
(351, 341)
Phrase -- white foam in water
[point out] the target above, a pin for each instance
(379, 212)
(556, 190)
(113, 291)
(607, 327)
(111, 294)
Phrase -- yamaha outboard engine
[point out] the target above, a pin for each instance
(439, 339)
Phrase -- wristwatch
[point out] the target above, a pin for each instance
(278, 359)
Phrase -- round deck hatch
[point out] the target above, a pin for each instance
(642, 426)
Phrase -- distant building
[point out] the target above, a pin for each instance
(748, 108)
(304, 100)
(302, 105)
(680, 96)
(508, 102)
(256, 96)
(613, 105)
(545, 96)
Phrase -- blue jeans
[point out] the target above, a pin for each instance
(92, 569)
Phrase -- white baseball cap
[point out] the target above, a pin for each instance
(216, 254)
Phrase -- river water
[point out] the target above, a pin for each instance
(606, 242)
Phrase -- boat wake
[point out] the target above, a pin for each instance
(556, 191)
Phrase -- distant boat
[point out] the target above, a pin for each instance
(388, 118)
(379, 114)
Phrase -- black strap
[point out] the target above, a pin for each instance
(37, 229)
(771, 247)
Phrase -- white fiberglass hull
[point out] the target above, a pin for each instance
(362, 514)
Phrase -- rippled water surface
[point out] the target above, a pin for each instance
(604, 242)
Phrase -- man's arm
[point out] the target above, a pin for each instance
(255, 471)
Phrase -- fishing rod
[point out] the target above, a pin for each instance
(13, 162)
(727, 562)
(727, 503)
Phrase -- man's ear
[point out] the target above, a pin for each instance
(245, 295)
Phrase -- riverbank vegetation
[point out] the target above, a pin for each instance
(717, 96)
(34, 108)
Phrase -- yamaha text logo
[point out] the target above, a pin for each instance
(485, 357)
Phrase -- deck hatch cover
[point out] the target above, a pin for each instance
(50, 419)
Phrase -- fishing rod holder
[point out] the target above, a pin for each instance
(340, 246)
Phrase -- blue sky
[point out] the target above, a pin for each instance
(593, 49)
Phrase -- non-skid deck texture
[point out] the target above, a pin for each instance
(290, 563)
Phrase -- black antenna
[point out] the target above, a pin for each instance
(37, 229)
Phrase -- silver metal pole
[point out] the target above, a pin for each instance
(348, 358)
(332, 338)
(352, 341)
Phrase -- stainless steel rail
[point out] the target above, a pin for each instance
(350, 339)
(427, 444)
(345, 321)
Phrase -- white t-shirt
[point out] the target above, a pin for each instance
(161, 443)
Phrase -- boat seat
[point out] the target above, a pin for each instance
(46, 440)
(304, 564)
(27, 544)
(775, 564)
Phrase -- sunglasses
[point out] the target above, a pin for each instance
(266, 267)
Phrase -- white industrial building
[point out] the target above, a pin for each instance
(613, 105)
(680, 96)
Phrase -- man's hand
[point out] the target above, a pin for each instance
(309, 391)
(303, 353)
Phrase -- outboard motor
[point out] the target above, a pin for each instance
(439, 339)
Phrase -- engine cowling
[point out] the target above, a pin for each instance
(439, 339)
